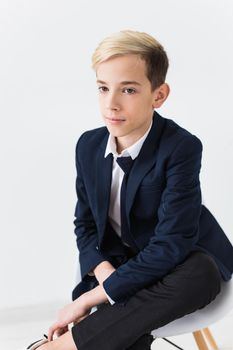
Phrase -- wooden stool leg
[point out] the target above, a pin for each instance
(200, 340)
(210, 338)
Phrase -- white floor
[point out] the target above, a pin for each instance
(19, 327)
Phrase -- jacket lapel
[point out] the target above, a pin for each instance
(103, 185)
(144, 161)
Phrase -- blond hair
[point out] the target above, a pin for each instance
(138, 43)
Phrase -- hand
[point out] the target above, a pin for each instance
(77, 310)
(73, 312)
(61, 331)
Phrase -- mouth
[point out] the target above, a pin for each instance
(115, 120)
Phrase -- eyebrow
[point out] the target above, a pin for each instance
(126, 82)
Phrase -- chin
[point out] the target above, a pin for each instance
(114, 132)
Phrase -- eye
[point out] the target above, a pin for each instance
(129, 91)
(102, 88)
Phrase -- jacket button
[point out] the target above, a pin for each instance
(97, 248)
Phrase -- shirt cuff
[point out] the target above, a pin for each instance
(112, 302)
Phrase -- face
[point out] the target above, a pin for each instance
(125, 97)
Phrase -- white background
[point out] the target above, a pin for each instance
(48, 98)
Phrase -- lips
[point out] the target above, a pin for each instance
(114, 119)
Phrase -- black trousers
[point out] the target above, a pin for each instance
(191, 285)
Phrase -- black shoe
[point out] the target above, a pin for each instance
(38, 343)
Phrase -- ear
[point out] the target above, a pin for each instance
(160, 95)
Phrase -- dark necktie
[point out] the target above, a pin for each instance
(126, 164)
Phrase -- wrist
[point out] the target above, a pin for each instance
(83, 302)
(96, 296)
(103, 271)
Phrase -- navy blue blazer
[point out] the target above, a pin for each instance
(166, 218)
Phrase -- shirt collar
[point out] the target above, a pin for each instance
(132, 151)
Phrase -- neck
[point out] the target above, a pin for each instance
(124, 142)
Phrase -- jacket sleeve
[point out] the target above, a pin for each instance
(85, 226)
(177, 228)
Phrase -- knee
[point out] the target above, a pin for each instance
(205, 275)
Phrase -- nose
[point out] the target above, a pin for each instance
(113, 103)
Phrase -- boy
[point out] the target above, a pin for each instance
(150, 252)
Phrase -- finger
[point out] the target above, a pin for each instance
(62, 331)
(52, 330)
